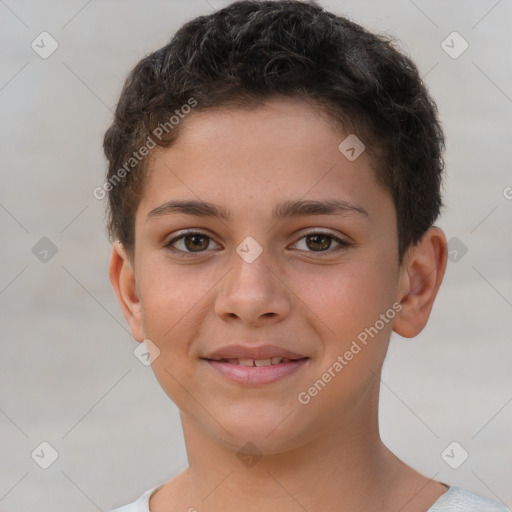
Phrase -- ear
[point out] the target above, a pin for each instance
(422, 271)
(122, 277)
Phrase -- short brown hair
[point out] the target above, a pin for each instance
(253, 50)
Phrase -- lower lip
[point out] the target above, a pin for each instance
(253, 375)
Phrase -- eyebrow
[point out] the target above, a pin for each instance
(284, 210)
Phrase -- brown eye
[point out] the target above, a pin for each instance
(195, 243)
(189, 243)
(318, 242)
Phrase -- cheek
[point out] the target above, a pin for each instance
(345, 307)
(172, 301)
(171, 298)
(347, 298)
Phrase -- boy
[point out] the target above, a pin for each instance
(274, 176)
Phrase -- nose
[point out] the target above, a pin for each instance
(253, 293)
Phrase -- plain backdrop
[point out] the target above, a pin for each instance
(68, 373)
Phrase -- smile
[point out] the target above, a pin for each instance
(255, 362)
(250, 372)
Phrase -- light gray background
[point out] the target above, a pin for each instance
(68, 374)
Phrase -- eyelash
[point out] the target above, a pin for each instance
(343, 244)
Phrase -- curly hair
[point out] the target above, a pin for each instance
(250, 51)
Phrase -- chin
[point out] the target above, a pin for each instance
(271, 429)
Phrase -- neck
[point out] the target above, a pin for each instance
(344, 467)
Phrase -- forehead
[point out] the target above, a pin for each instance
(248, 157)
(273, 130)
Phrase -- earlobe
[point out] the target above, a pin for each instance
(422, 272)
(122, 277)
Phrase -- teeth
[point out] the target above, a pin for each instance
(257, 362)
(262, 362)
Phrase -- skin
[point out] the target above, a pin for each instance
(312, 298)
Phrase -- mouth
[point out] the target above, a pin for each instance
(256, 372)
(250, 365)
(256, 362)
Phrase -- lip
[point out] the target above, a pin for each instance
(256, 375)
(259, 352)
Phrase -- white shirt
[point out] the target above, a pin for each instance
(454, 499)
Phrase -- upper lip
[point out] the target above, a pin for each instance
(258, 352)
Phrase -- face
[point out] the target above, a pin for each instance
(290, 245)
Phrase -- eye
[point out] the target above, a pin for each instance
(321, 242)
(190, 242)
